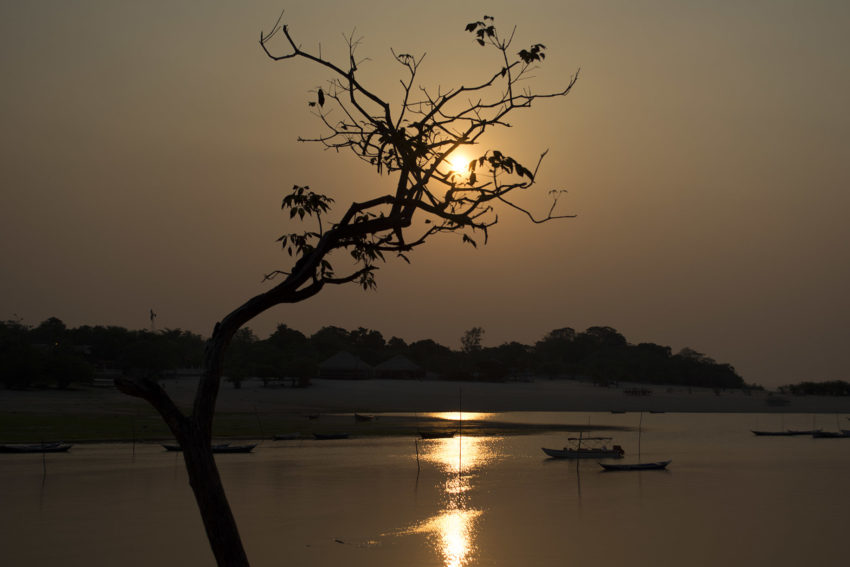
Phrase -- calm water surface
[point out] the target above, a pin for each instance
(729, 498)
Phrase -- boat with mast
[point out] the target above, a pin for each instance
(582, 447)
(639, 465)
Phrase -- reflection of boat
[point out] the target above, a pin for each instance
(657, 465)
(596, 450)
(54, 447)
(436, 434)
(218, 448)
(363, 417)
(326, 436)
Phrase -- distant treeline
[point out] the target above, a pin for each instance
(51, 354)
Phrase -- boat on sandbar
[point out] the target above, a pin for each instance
(52, 447)
(436, 434)
(217, 448)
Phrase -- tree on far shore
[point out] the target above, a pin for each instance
(413, 142)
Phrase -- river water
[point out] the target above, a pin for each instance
(728, 498)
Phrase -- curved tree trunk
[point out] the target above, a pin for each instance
(194, 432)
(219, 523)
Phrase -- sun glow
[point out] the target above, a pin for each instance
(458, 163)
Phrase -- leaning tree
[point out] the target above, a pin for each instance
(413, 142)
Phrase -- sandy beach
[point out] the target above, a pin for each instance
(341, 396)
(255, 410)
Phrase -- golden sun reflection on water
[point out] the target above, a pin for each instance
(459, 454)
(453, 534)
(452, 531)
(459, 416)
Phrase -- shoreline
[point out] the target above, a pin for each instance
(255, 411)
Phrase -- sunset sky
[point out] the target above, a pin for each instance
(145, 148)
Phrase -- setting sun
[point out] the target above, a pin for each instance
(458, 163)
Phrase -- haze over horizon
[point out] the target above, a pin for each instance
(146, 147)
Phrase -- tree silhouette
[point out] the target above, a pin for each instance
(471, 340)
(412, 142)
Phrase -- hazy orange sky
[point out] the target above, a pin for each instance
(145, 148)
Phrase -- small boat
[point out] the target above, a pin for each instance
(363, 417)
(287, 436)
(53, 447)
(803, 431)
(228, 448)
(655, 466)
(638, 466)
(597, 449)
(436, 434)
(328, 436)
(844, 433)
(217, 448)
(784, 433)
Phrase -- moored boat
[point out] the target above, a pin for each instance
(328, 436)
(784, 433)
(217, 448)
(287, 436)
(652, 466)
(844, 433)
(436, 434)
(578, 449)
(228, 448)
(639, 465)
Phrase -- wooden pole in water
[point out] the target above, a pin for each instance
(260, 423)
(640, 430)
(459, 430)
(133, 429)
(416, 444)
